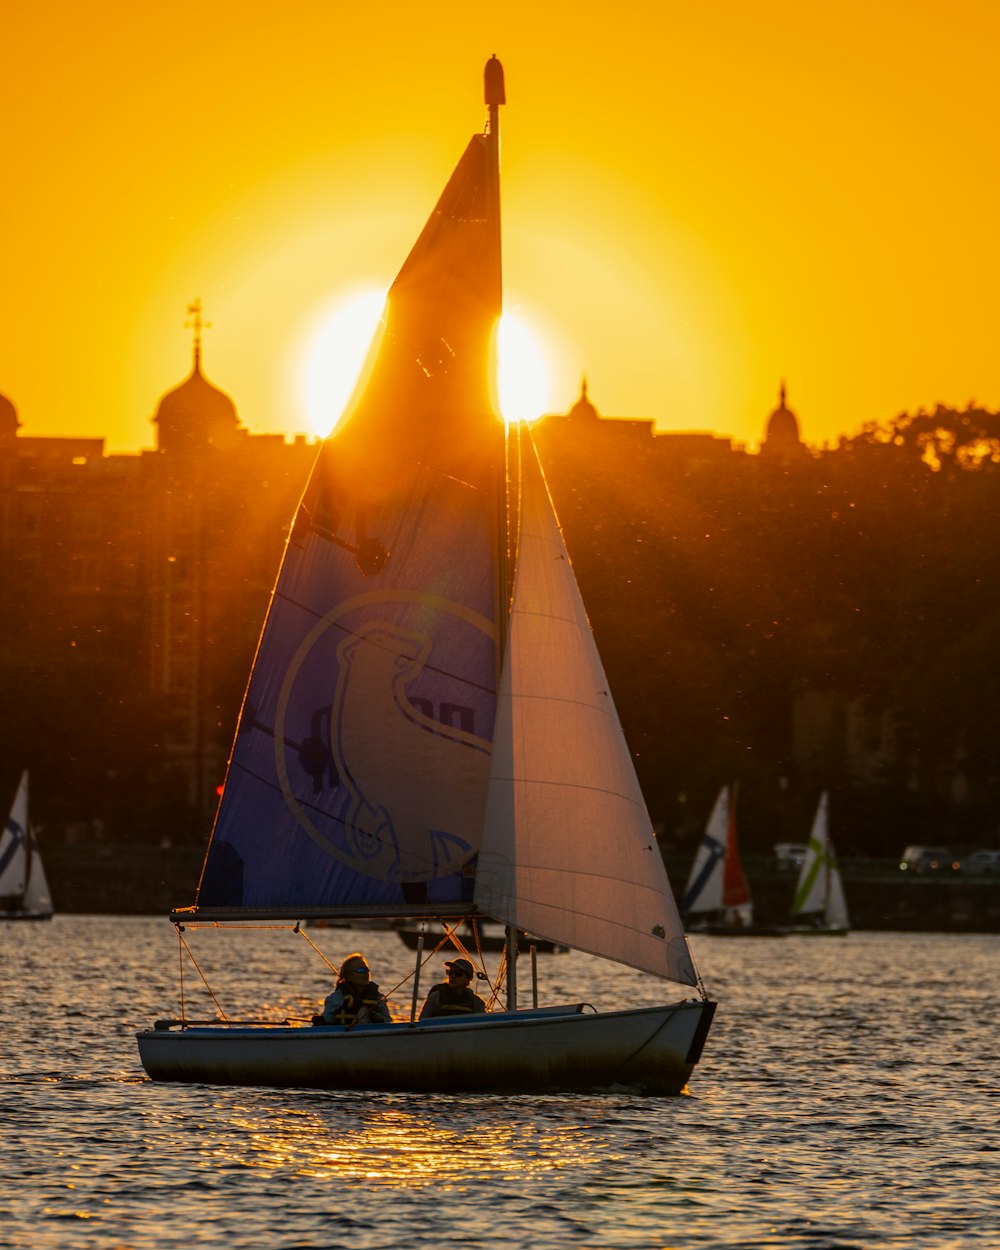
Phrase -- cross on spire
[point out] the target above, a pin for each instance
(196, 323)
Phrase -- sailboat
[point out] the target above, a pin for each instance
(479, 936)
(819, 908)
(24, 889)
(427, 732)
(717, 898)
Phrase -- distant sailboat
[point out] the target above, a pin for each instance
(428, 733)
(480, 936)
(819, 908)
(24, 889)
(717, 897)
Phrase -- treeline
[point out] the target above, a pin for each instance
(826, 623)
(829, 622)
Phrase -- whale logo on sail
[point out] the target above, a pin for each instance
(388, 751)
(409, 735)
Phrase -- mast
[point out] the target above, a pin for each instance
(495, 96)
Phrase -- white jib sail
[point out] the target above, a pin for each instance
(568, 852)
(819, 889)
(37, 898)
(835, 915)
(703, 892)
(14, 843)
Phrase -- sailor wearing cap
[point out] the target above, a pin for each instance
(453, 996)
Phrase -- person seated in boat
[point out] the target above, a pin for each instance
(355, 998)
(454, 996)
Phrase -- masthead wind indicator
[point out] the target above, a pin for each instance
(494, 82)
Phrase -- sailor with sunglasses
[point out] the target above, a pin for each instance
(356, 998)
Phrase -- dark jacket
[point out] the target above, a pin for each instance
(441, 1001)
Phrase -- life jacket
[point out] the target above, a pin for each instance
(347, 1012)
(448, 1005)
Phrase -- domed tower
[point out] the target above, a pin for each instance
(196, 415)
(781, 439)
(583, 409)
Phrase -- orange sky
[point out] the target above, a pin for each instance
(698, 201)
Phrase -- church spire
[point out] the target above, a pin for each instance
(782, 440)
(196, 323)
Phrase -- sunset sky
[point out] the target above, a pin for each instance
(699, 199)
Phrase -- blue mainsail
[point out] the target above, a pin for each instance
(359, 773)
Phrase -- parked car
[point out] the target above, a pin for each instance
(923, 859)
(790, 854)
(981, 862)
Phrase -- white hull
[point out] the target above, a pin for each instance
(653, 1049)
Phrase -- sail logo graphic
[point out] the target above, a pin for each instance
(713, 851)
(9, 847)
(411, 785)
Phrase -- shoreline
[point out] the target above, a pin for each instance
(149, 880)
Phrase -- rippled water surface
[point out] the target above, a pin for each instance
(846, 1098)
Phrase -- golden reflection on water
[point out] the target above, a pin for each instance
(397, 1148)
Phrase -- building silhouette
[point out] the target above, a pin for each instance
(782, 443)
(138, 584)
(135, 586)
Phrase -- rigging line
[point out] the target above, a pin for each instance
(494, 997)
(449, 935)
(180, 961)
(180, 934)
(701, 984)
(478, 957)
(302, 933)
(494, 989)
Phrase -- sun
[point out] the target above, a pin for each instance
(522, 371)
(339, 343)
(336, 350)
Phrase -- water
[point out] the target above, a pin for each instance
(846, 1098)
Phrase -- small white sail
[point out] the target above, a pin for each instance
(568, 852)
(23, 885)
(717, 888)
(835, 915)
(37, 898)
(819, 891)
(703, 892)
(14, 844)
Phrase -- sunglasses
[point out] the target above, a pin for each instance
(457, 973)
(359, 972)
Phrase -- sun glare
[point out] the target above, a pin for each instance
(522, 372)
(339, 344)
(336, 354)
